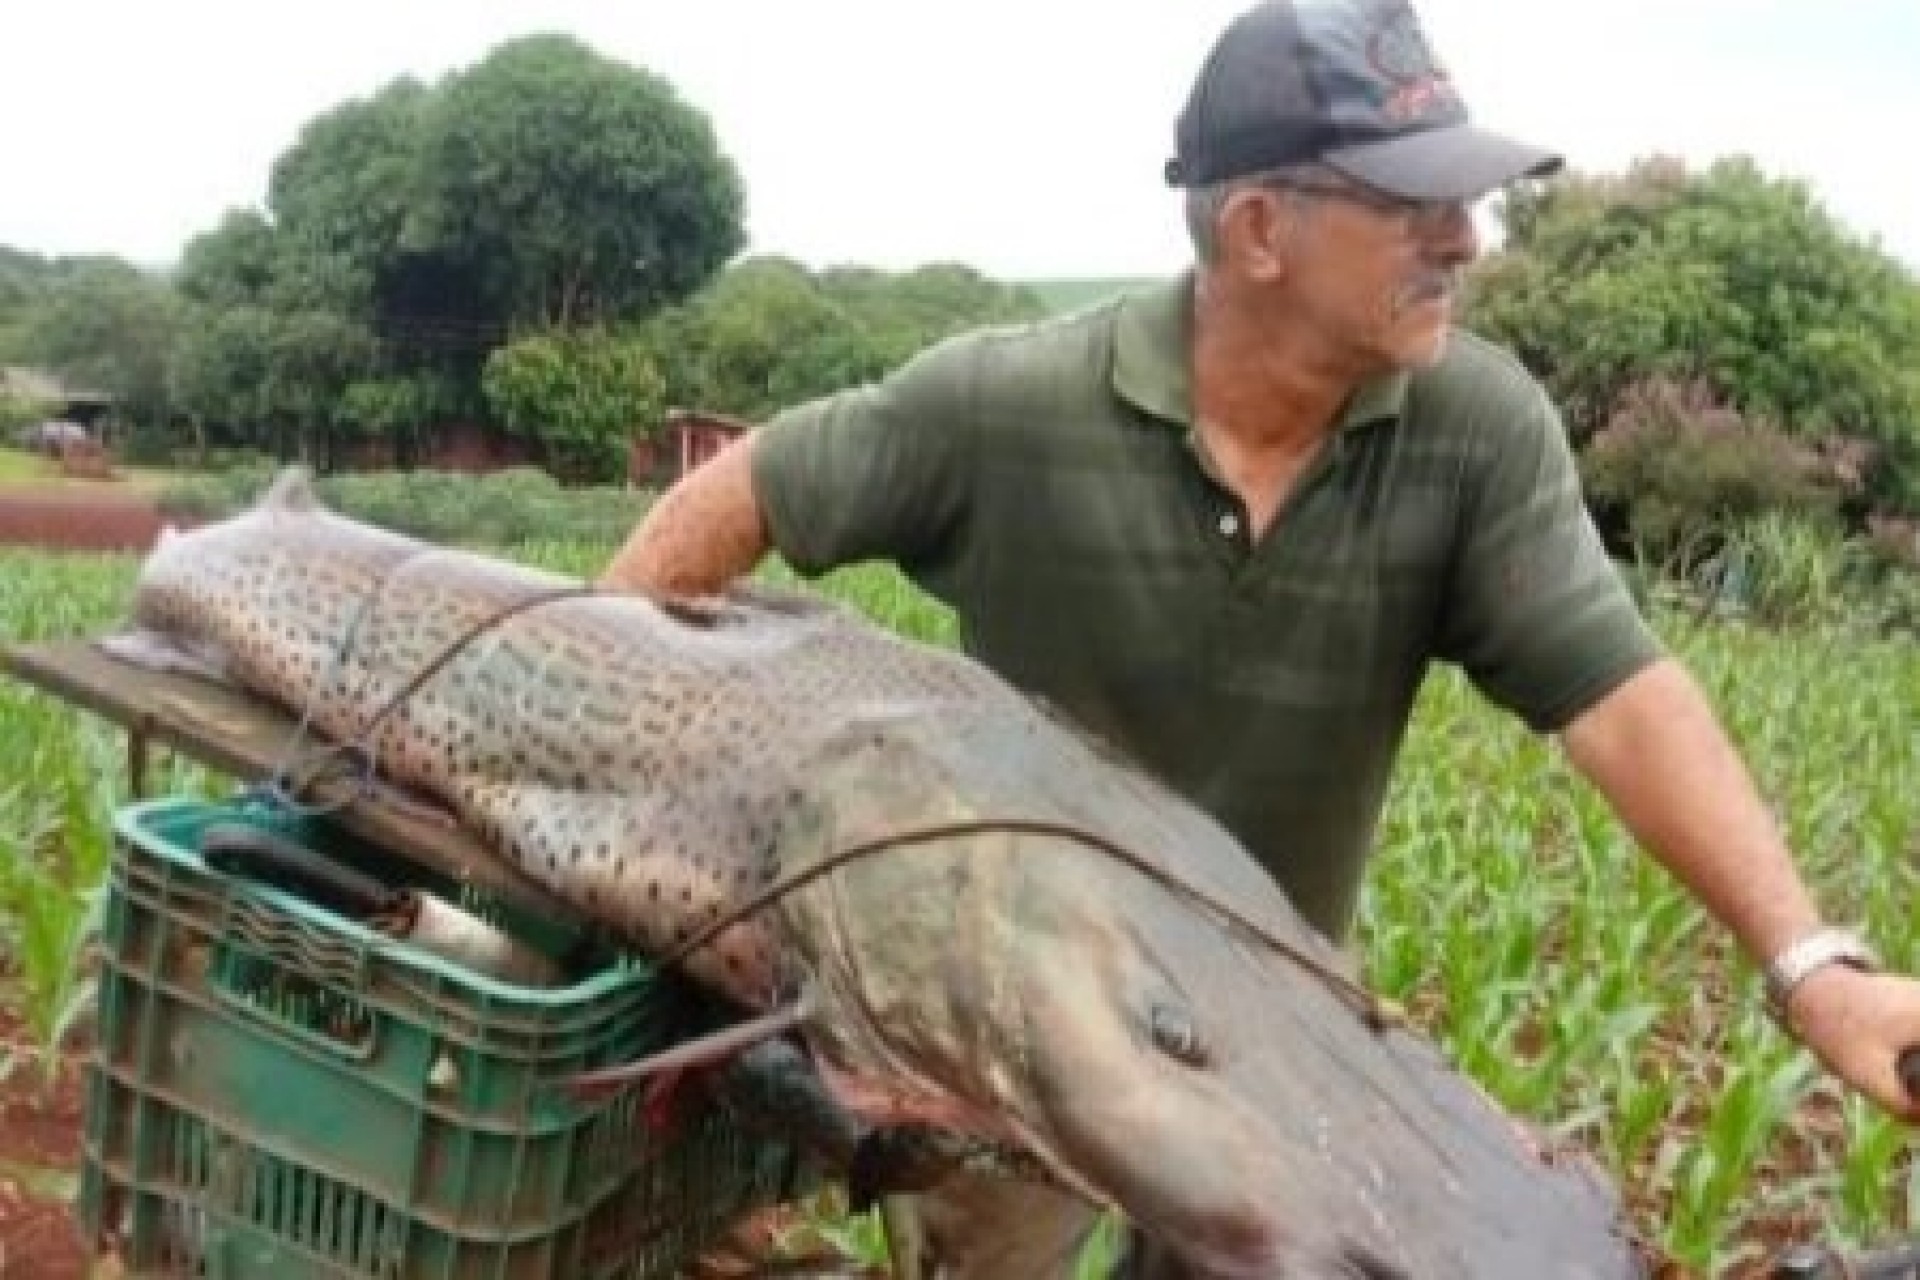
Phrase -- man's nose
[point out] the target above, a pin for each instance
(1453, 238)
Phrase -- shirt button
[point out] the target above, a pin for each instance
(1229, 524)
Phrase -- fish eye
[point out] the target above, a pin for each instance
(1175, 1035)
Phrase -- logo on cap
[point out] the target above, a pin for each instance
(1400, 55)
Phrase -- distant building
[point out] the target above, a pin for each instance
(63, 401)
(688, 438)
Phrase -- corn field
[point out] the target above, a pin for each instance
(1507, 909)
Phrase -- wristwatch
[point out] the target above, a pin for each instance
(1806, 957)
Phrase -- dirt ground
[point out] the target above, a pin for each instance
(81, 519)
(39, 1152)
(40, 1124)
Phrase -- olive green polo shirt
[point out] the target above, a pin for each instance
(1046, 482)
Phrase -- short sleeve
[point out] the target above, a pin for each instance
(1537, 614)
(878, 471)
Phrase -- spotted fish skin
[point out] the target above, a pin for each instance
(636, 759)
(654, 763)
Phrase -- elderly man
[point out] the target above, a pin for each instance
(1230, 522)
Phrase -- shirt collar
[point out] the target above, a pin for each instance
(1152, 336)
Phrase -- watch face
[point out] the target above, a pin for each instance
(1808, 956)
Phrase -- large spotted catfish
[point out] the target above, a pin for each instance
(968, 920)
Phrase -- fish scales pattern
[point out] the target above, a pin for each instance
(639, 759)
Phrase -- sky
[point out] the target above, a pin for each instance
(1024, 137)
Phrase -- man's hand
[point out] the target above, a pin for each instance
(703, 532)
(1655, 749)
(1859, 1024)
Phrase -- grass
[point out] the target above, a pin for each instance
(21, 467)
(1572, 978)
(1506, 908)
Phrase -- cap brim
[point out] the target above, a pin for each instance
(1457, 162)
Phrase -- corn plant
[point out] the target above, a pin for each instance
(50, 889)
(1506, 908)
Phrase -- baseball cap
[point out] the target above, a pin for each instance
(1351, 84)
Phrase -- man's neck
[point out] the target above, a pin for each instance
(1264, 384)
(1267, 395)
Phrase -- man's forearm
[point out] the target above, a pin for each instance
(1656, 750)
(703, 532)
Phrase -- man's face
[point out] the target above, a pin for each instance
(1376, 274)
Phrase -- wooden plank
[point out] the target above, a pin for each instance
(246, 737)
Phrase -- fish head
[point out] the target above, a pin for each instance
(1197, 1055)
(1137, 1001)
(1160, 1065)
(205, 598)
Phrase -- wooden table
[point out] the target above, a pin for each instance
(246, 737)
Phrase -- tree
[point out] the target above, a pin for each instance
(107, 325)
(277, 337)
(411, 233)
(20, 411)
(581, 395)
(350, 188)
(768, 333)
(1723, 279)
(580, 191)
(22, 282)
(233, 265)
(904, 312)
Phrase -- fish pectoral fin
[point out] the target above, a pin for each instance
(707, 1050)
(157, 651)
(415, 803)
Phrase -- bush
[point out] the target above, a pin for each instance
(19, 411)
(1723, 275)
(1893, 569)
(1685, 471)
(1793, 569)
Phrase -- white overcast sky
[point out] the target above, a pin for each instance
(1023, 136)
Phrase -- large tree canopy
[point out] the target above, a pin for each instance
(579, 191)
(349, 188)
(409, 234)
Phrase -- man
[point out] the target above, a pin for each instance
(1228, 523)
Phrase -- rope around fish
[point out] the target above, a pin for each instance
(1378, 1013)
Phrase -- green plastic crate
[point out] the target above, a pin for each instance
(277, 1091)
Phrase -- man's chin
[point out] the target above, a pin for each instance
(1423, 350)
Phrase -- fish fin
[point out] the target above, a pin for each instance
(291, 491)
(772, 597)
(415, 803)
(158, 651)
(702, 1050)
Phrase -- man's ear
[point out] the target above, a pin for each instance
(1259, 230)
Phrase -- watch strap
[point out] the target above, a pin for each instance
(1809, 954)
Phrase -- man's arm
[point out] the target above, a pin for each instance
(1655, 749)
(704, 531)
